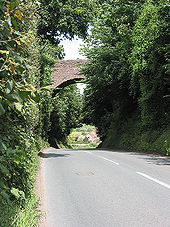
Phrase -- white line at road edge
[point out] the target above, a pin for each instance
(116, 163)
(155, 180)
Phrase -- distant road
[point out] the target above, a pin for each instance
(100, 188)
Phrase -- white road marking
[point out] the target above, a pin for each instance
(155, 180)
(116, 163)
(89, 152)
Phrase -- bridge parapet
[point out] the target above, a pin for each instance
(67, 70)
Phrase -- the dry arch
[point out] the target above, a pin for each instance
(67, 72)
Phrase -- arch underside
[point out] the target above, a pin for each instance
(65, 84)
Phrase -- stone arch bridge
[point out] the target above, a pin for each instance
(67, 72)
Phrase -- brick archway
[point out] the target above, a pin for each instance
(67, 72)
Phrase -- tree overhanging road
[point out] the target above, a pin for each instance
(100, 188)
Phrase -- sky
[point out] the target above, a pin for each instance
(71, 48)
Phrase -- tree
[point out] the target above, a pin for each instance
(67, 18)
(108, 48)
(127, 75)
(66, 114)
(149, 62)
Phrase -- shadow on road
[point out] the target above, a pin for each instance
(153, 158)
(52, 155)
(158, 160)
(150, 158)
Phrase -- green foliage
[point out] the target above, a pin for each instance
(108, 48)
(167, 147)
(150, 39)
(66, 18)
(18, 216)
(20, 91)
(26, 100)
(14, 47)
(66, 114)
(84, 146)
(83, 129)
(127, 74)
(130, 135)
(71, 138)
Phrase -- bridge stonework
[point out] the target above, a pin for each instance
(67, 72)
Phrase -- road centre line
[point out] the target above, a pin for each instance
(142, 174)
(116, 163)
(155, 180)
(89, 152)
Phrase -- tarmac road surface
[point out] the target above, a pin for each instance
(104, 188)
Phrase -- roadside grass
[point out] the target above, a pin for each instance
(7, 214)
(20, 209)
(23, 215)
(28, 216)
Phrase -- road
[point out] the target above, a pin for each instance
(102, 188)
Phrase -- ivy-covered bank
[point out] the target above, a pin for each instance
(21, 128)
(128, 84)
(27, 52)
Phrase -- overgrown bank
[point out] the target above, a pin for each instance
(27, 52)
(129, 135)
(21, 128)
(127, 94)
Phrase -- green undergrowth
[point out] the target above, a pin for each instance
(130, 135)
(19, 202)
(23, 214)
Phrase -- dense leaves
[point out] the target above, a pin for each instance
(127, 83)
(127, 76)
(26, 99)
(66, 18)
(150, 39)
(19, 91)
(66, 114)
